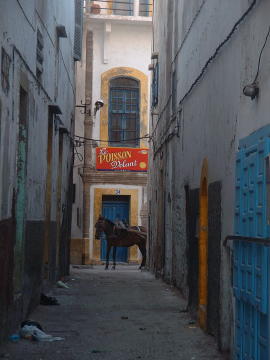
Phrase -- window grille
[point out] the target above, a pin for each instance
(5, 66)
(124, 118)
(145, 9)
(119, 7)
(78, 29)
(39, 55)
(155, 80)
(123, 7)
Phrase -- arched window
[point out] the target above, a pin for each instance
(124, 112)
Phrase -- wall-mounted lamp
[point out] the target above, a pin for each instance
(154, 55)
(98, 105)
(251, 91)
(61, 31)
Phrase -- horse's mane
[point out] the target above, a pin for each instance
(110, 222)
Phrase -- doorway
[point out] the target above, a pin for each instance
(192, 230)
(203, 247)
(251, 256)
(115, 207)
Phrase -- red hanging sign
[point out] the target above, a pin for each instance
(121, 159)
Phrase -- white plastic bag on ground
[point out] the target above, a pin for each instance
(30, 331)
(61, 284)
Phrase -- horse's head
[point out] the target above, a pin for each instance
(99, 226)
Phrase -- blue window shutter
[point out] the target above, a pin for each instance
(78, 29)
(155, 81)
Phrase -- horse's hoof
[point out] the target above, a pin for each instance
(106, 268)
(113, 267)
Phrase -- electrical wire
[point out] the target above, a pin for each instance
(260, 57)
(37, 83)
(112, 141)
(221, 45)
(188, 31)
(78, 143)
(25, 15)
(60, 51)
(205, 67)
(79, 155)
(120, 2)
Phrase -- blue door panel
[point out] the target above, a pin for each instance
(113, 210)
(251, 260)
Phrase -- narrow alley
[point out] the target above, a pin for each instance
(124, 314)
(135, 132)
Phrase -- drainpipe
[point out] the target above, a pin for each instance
(88, 128)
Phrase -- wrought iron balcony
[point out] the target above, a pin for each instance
(119, 7)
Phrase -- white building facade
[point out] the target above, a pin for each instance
(114, 68)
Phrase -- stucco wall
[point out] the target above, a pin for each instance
(213, 118)
(120, 54)
(20, 21)
(57, 81)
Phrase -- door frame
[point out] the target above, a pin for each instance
(95, 246)
(203, 246)
(111, 201)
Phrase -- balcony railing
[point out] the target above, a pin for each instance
(119, 7)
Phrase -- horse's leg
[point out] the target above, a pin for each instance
(114, 256)
(108, 255)
(143, 252)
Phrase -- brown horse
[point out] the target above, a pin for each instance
(138, 228)
(120, 237)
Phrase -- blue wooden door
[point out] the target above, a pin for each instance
(113, 210)
(251, 260)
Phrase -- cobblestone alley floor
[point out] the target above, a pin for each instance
(115, 315)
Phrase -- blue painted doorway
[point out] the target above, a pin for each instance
(251, 258)
(113, 208)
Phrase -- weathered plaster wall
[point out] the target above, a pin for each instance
(213, 118)
(18, 28)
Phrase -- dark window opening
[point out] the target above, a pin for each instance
(78, 217)
(73, 193)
